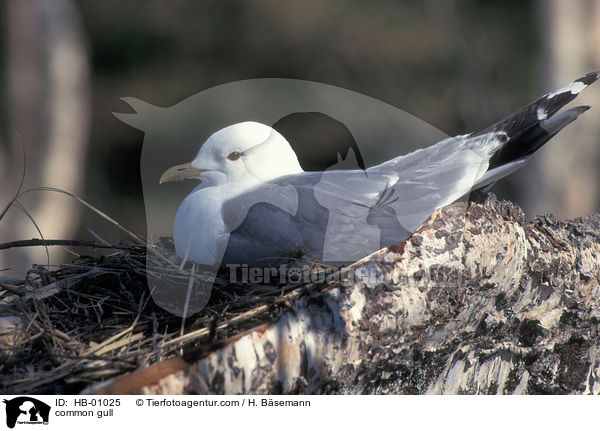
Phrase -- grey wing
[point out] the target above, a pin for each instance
(266, 234)
(386, 203)
(428, 179)
(341, 216)
(274, 221)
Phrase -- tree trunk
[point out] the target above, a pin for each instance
(563, 178)
(478, 301)
(49, 108)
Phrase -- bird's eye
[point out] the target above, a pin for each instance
(234, 155)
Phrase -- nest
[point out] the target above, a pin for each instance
(70, 327)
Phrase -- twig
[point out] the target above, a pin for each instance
(86, 204)
(23, 174)
(30, 217)
(35, 242)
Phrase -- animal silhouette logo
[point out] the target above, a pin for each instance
(26, 410)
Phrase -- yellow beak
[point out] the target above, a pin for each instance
(180, 172)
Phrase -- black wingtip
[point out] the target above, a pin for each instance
(590, 78)
(532, 126)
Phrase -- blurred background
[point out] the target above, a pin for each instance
(459, 65)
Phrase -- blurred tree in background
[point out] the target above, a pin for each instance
(459, 65)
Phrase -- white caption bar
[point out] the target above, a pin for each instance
(148, 412)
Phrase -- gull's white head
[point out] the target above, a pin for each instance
(240, 152)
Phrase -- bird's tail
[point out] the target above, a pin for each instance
(530, 127)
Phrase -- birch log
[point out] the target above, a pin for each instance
(478, 301)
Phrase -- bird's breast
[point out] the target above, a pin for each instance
(199, 231)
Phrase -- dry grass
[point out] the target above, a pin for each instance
(94, 318)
